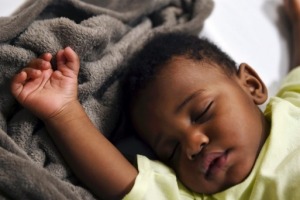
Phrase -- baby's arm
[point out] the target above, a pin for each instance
(52, 96)
(292, 8)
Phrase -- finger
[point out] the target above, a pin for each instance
(32, 73)
(57, 75)
(286, 3)
(17, 83)
(68, 58)
(46, 57)
(39, 63)
(61, 60)
(286, 7)
(70, 55)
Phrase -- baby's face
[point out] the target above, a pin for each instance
(202, 123)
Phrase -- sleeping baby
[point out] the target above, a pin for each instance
(194, 107)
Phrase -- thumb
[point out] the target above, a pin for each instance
(68, 58)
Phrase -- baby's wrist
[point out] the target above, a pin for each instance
(72, 111)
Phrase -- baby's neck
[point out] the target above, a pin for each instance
(266, 128)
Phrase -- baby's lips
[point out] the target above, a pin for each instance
(207, 160)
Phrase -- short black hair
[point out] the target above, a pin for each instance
(157, 51)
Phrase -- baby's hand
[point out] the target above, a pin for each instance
(292, 9)
(46, 92)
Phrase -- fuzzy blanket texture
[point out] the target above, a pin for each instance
(105, 34)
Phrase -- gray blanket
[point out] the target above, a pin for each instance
(105, 34)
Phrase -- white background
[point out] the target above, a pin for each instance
(8, 6)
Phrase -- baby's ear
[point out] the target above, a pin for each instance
(252, 84)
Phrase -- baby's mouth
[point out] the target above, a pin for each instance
(212, 163)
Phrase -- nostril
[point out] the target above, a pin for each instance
(194, 144)
(193, 157)
(203, 145)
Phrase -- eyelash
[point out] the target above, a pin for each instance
(198, 117)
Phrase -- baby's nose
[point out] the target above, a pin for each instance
(194, 144)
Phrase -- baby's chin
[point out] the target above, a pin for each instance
(211, 189)
(231, 178)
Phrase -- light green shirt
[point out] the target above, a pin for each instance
(276, 174)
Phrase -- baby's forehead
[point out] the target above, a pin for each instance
(179, 64)
(180, 76)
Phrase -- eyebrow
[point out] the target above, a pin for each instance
(188, 99)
